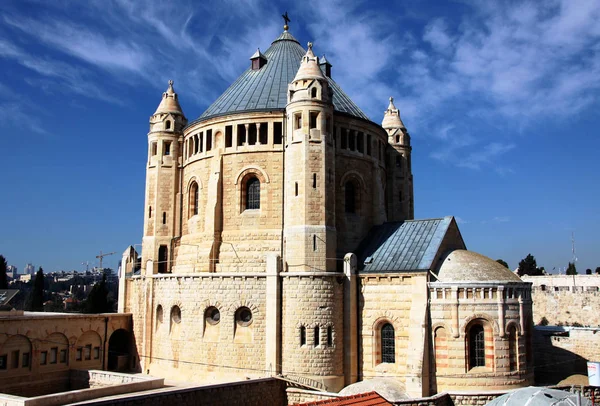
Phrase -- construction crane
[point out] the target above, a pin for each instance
(102, 256)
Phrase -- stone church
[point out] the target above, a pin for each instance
(279, 239)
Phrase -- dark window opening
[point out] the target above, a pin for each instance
(388, 344)
(163, 256)
(25, 360)
(252, 134)
(302, 335)
(263, 135)
(369, 144)
(313, 119)
(277, 133)
(350, 197)
(243, 316)
(344, 142)
(314, 242)
(63, 356)
(44, 357)
(167, 148)
(253, 194)
(314, 180)
(87, 352)
(3, 361)
(168, 125)
(78, 357)
(196, 144)
(317, 336)
(360, 142)
(154, 148)
(352, 140)
(228, 136)
(96, 352)
(14, 359)
(150, 212)
(313, 92)
(476, 346)
(53, 355)
(201, 142)
(208, 140)
(329, 336)
(241, 134)
(164, 217)
(512, 347)
(297, 121)
(194, 195)
(296, 187)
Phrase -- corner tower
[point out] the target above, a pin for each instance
(312, 296)
(310, 235)
(163, 172)
(400, 198)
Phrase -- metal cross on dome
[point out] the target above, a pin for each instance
(286, 19)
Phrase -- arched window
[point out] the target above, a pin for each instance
(163, 258)
(253, 194)
(512, 347)
(313, 92)
(476, 346)
(441, 348)
(302, 335)
(350, 197)
(388, 343)
(167, 125)
(193, 199)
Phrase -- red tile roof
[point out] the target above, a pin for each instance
(362, 399)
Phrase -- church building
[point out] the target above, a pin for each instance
(280, 239)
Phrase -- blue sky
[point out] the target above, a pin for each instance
(501, 99)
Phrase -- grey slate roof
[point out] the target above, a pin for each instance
(402, 246)
(266, 89)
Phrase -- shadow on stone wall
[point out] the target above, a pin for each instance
(553, 364)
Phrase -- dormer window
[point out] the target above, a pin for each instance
(258, 60)
(168, 125)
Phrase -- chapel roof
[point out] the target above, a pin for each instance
(265, 89)
(410, 245)
(469, 266)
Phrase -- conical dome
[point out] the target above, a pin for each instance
(309, 68)
(169, 102)
(265, 89)
(391, 117)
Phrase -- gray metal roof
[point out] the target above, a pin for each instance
(538, 396)
(402, 246)
(265, 89)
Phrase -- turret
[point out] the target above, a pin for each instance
(309, 192)
(400, 195)
(161, 222)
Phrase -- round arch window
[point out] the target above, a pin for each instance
(159, 314)
(243, 316)
(176, 314)
(212, 315)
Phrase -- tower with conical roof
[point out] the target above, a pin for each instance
(400, 199)
(162, 183)
(310, 237)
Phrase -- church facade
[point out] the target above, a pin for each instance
(279, 239)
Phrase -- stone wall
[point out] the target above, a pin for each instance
(566, 300)
(188, 347)
(41, 348)
(561, 352)
(259, 392)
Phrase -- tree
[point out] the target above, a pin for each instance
(36, 297)
(588, 271)
(502, 262)
(528, 266)
(571, 270)
(598, 270)
(97, 300)
(3, 267)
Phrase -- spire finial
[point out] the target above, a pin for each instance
(310, 45)
(391, 99)
(171, 82)
(286, 20)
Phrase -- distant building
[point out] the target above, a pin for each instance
(29, 269)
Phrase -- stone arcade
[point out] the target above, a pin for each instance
(279, 239)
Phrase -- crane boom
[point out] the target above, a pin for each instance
(102, 256)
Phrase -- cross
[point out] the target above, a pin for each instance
(286, 19)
